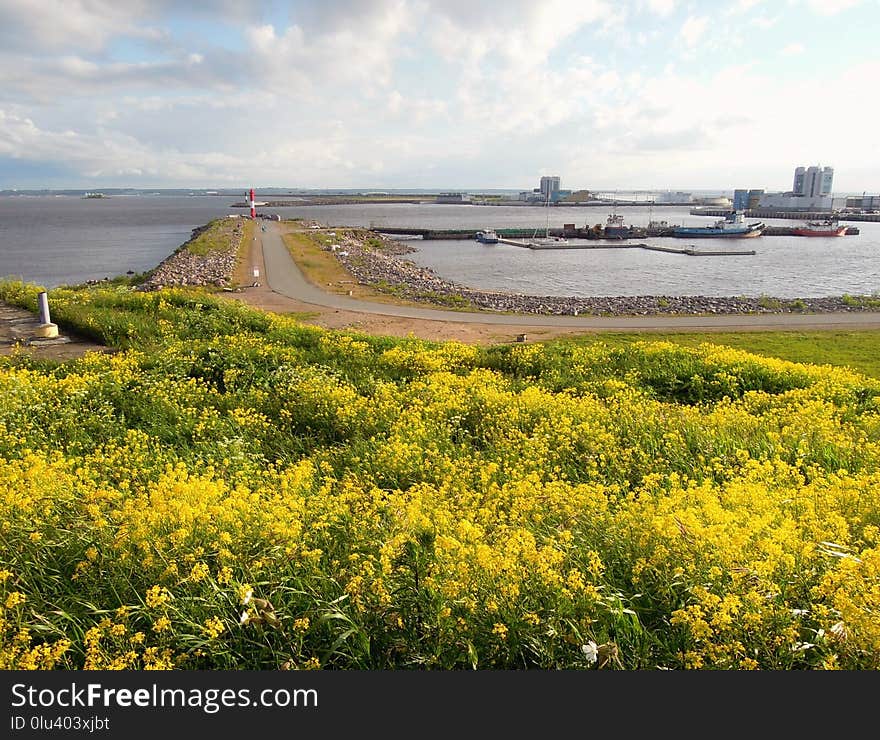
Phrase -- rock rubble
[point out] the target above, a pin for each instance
(378, 262)
(185, 268)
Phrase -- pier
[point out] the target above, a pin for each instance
(798, 215)
(690, 251)
(568, 232)
(467, 234)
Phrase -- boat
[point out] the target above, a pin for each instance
(731, 226)
(547, 240)
(615, 228)
(95, 195)
(828, 227)
(487, 236)
(656, 225)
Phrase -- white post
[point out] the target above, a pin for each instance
(44, 308)
(46, 329)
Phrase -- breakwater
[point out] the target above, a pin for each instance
(213, 268)
(385, 268)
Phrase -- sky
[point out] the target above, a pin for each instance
(461, 94)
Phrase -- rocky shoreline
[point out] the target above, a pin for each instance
(378, 262)
(184, 268)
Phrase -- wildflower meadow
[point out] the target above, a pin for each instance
(233, 489)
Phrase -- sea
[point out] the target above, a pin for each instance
(54, 240)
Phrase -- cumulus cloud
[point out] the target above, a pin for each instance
(692, 30)
(521, 33)
(360, 49)
(60, 24)
(409, 93)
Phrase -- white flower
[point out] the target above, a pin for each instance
(249, 594)
(245, 617)
(800, 647)
(799, 612)
(591, 651)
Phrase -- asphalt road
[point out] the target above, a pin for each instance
(285, 278)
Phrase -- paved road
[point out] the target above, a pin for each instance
(284, 277)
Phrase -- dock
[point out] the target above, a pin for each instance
(759, 213)
(569, 232)
(689, 251)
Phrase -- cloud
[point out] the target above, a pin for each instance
(360, 49)
(764, 22)
(661, 7)
(793, 49)
(521, 34)
(413, 92)
(60, 24)
(831, 7)
(743, 6)
(692, 30)
(46, 79)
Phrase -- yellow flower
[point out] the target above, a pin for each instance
(157, 596)
(199, 572)
(14, 599)
(213, 627)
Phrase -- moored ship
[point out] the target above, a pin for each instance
(546, 241)
(733, 225)
(615, 228)
(829, 227)
(487, 236)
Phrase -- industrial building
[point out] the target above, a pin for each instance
(810, 191)
(453, 198)
(813, 182)
(550, 188)
(863, 202)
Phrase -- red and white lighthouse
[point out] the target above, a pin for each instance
(253, 207)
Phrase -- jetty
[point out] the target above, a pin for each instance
(568, 231)
(690, 251)
(796, 215)
(519, 237)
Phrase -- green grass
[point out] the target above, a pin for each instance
(218, 235)
(242, 491)
(859, 350)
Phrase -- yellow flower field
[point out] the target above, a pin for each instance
(233, 489)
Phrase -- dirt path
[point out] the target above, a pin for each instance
(293, 294)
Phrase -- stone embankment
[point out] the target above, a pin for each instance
(379, 263)
(215, 268)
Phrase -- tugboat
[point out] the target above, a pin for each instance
(732, 225)
(487, 236)
(828, 227)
